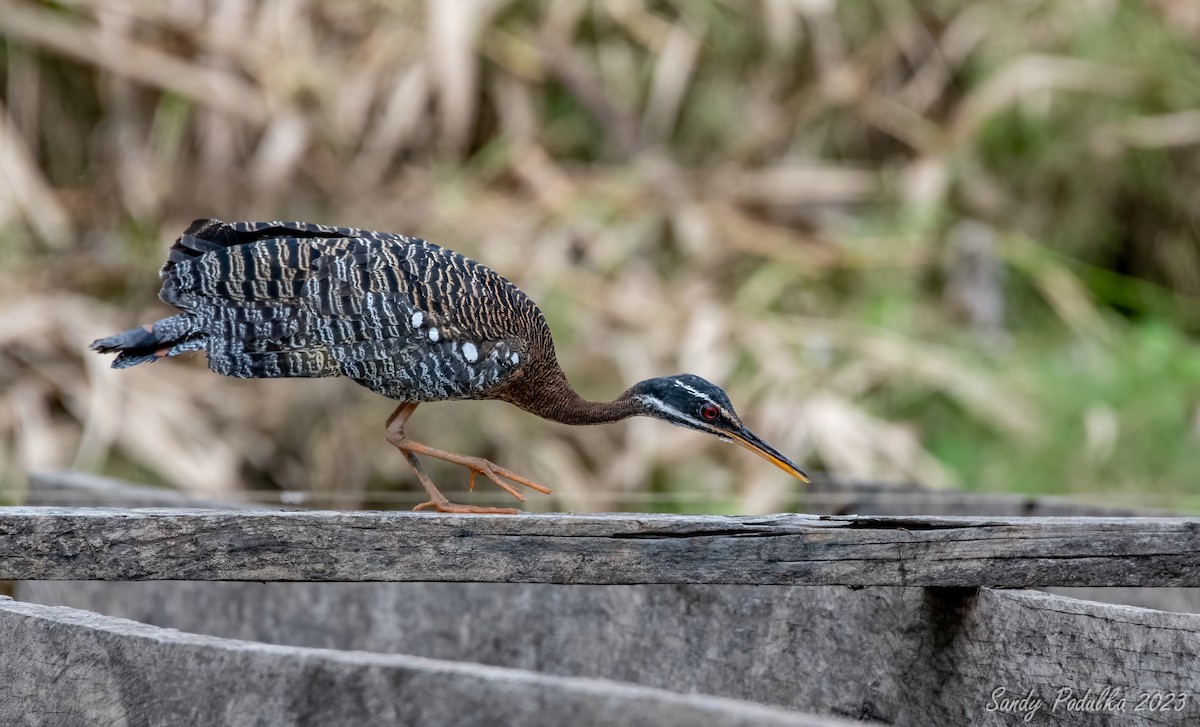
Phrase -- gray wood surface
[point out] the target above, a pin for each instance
(68, 488)
(833, 497)
(830, 497)
(1181, 600)
(1028, 641)
(260, 545)
(65, 668)
(902, 656)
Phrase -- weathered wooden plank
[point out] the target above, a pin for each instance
(67, 488)
(1081, 663)
(255, 545)
(80, 489)
(65, 667)
(903, 656)
(1181, 600)
(833, 497)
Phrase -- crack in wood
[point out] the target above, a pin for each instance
(684, 534)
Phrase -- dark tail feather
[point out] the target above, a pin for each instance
(167, 337)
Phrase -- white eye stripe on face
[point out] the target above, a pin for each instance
(728, 414)
(696, 423)
(698, 393)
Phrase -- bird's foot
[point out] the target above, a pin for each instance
(494, 472)
(474, 465)
(445, 505)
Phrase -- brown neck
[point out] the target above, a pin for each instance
(551, 397)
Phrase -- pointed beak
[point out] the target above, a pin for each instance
(751, 441)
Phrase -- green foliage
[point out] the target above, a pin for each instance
(1077, 173)
(1112, 418)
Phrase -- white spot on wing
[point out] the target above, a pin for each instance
(433, 334)
(470, 353)
(417, 318)
(514, 358)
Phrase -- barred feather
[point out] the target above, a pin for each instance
(399, 315)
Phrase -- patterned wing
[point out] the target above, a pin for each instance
(401, 316)
(418, 322)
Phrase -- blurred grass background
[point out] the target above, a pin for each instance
(934, 241)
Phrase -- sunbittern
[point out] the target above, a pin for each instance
(399, 315)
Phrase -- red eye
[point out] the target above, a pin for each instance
(709, 411)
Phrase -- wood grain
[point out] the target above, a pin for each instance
(60, 666)
(892, 655)
(181, 544)
(902, 656)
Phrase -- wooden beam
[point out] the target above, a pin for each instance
(898, 656)
(67, 488)
(117, 544)
(834, 497)
(65, 667)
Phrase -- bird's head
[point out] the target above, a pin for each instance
(686, 400)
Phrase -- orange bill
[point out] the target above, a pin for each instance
(751, 441)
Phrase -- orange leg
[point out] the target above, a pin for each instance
(475, 465)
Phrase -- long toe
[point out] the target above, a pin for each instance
(454, 507)
(523, 481)
(491, 470)
(495, 478)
